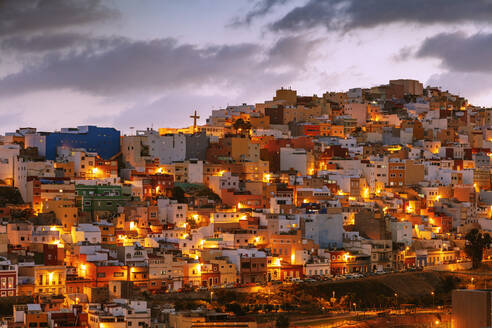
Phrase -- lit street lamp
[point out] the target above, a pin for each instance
(433, 297)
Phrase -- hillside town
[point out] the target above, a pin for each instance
(96, 223)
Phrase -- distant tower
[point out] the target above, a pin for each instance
(194, 117)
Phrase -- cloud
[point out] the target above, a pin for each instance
(260, 9)
(466, 61)
(126, 66)
(459, 52)
(18, 17)
(473, 85)
(41, 44)
(404, 54)
(292, 50)
(353, 14)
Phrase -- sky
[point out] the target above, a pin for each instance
(151, 63)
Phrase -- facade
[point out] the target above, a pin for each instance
(104, 141)
(8, 278)
(100, 198)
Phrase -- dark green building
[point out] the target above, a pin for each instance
(101, 198)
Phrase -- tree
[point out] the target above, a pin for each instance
(240, 124)
(476, 242)
(178, 194)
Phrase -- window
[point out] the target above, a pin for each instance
(118, 274)
(101, 274)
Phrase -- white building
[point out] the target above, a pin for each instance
(292, 158)
(86, 232)
(224, 182)
(401, 232)
(170, 211)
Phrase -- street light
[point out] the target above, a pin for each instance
(211, 296)
(396, 299)
(433, 297)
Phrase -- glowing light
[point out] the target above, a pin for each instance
(365, 193)
(477, 189)
(196, 217)
(438, 197)
(266, 177)
(239, 205)
(293, 258)
(385, 209)
(50, 276)
(305, 201)
(83, 269)
(133, 226)
(94, 170)
(395, 148)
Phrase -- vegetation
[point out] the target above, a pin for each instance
(6, 303)
(476, 242)
(10, 195)
(178, 194)
(242, 126)
(282, 321)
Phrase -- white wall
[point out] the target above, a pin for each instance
(291, 158)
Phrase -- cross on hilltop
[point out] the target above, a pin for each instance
(194, 117)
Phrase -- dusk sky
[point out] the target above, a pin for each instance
(129, 63)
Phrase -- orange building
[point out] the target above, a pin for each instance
(285, 245)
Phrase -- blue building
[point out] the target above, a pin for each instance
(104, 141)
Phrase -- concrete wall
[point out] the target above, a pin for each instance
(471, 308)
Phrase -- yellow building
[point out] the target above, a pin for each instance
(192, 274)
(49, 280)
(228, 272)
(255, 171)
(243, 149)
(286, 96)
(65, 211)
